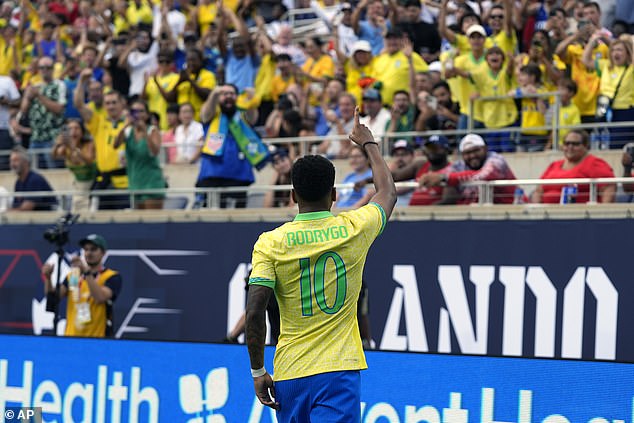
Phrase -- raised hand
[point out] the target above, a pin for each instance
(408, 48)
(360, 133)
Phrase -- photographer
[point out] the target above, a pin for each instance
(93, 288)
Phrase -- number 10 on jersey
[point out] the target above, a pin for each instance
(317, 283)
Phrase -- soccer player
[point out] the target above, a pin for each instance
(314, 265)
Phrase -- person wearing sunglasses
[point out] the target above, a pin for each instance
(159, 85)
(142, 146)
(578, 162)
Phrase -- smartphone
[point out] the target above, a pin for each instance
(432, 102)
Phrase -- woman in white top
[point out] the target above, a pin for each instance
(188, 136)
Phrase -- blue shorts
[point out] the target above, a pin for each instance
(324, 398)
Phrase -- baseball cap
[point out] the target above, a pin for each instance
(435, 67)
(401, 145)
(471, 141)
(346, 6)
(476, 29)
(371, 94)
(440, 140)
(361, 45)
(95, 239)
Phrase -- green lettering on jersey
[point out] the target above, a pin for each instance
(290, 239)
(304, 287)
(318, 235)
(320, 278)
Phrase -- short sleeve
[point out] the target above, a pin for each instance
(207, 80)
(263, 268)
(371, 217)
(114, 283)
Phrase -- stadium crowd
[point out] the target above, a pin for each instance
(100, 87)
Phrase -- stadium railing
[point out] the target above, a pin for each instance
(209, 198)
(388, 138)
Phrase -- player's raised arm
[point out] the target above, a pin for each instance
(385, 190)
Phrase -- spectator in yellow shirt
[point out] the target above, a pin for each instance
(533, 109)
(159, 85)
(616, 84)
(359, 67)
(318, 68)
(540, 54)
(495, 80)
(588, 81)
(470, 63)
(194, 84)
(568, 112)
(284, 77)
(392, 68)
(501, 23)
(460, 41)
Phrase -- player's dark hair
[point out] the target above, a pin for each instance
(313, 178)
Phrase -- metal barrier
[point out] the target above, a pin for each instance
(211, 196)
(386, 139)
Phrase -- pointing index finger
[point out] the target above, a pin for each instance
(356, 116)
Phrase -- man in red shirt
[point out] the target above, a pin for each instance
(477, 164)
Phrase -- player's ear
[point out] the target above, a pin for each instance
(293, 196)
(333, 194)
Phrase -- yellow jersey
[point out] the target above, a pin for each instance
(315, 264)
(497, 113)
(108, 159)
(137, 15)
(588, 81)
(463, 46)
(187, 94)
(324, 67)
(6, 55)
(508, 43)
(610, 78)
(531, 116)
(206, 16)
(155, 101)
(264, 78)
(568, 115)
(354, 74)
(549, 85)
(279, 84)
(465, 88)
(393, 72)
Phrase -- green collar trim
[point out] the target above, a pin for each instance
(312, 216)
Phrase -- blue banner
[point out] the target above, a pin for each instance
(76, 380)
(553, 289)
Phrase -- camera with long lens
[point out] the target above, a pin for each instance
(58, 234)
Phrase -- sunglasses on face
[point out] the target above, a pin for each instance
(497, 16)
(45, 67)
(572, 143)
(137, 111)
